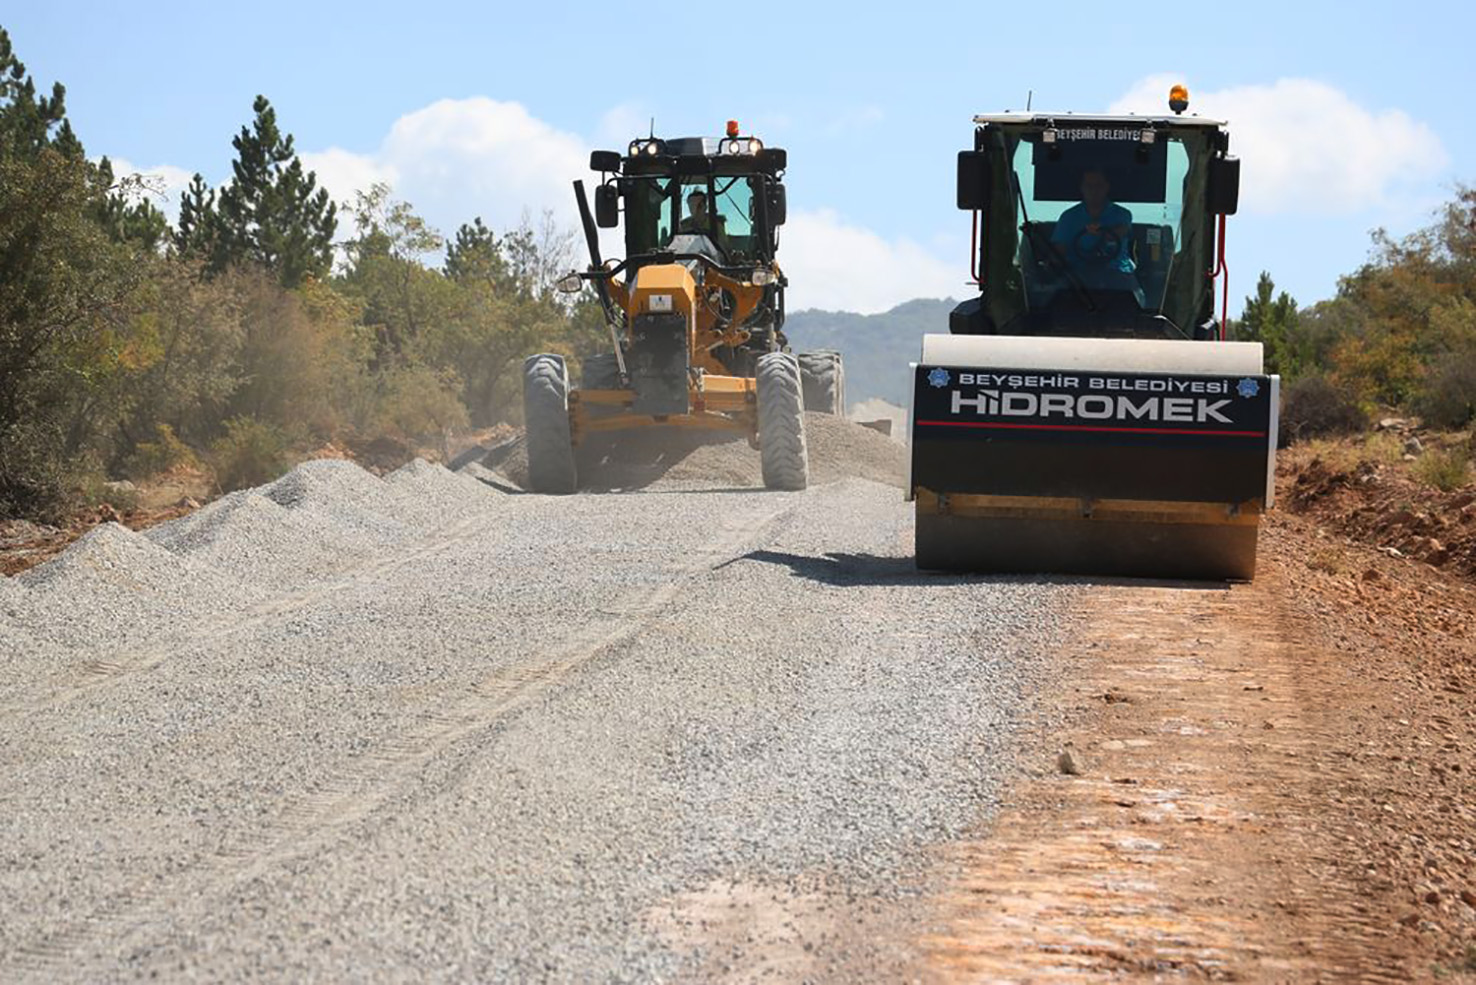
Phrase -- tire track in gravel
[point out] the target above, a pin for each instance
(89, 676)
(95, 944)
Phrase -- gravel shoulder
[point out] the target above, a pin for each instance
(344, 727)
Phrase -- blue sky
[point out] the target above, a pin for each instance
(1356, 113)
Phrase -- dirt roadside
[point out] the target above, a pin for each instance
(1276, 784)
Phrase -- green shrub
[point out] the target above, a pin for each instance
(1314, 406)
(250, 454)
(419, 403)
(1448, 397)
(94, 490)
(34, 475)
(1447, 469)
(150, 458)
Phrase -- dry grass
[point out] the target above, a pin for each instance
(1346, 454)
(1446, 469)
(1329, 560)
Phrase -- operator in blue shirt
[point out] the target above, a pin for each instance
(1095, 235)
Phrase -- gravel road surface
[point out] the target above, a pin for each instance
(419, 727)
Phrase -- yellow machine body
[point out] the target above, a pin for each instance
(716, 399)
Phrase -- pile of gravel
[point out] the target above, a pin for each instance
(412, 500)
(10, 590)
(435, 495)
(260, 541)
(484, 476)
(839, 449)
(351, 497)
(24, 660)
(842, 449)
(115, 589)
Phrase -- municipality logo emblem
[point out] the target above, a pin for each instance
(1248, 388)
(939, 378)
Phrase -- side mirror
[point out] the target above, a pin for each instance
(605, 161)
(1224, 185)
(777, 204)
(607, 206)
(973, 180)
(774, 158)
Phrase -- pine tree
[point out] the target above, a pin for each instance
(475, 253)
(27, 121)
(272, 213)
(125, 216)
(1272, 320)
(197, 232)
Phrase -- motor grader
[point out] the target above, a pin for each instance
(695, 312)
(1085, 413)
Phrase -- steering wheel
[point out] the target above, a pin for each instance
(1107, 248)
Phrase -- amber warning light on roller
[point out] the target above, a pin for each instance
(1178, 99)
(732, 128)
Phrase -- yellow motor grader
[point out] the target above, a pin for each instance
(695, 312)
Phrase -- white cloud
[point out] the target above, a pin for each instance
(484, 156)
(838, 266)
(343, 172)
(456, 159)
(161, 184)
(1307, 147)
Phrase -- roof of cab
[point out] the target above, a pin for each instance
(1046, 119)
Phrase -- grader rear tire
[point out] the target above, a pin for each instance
(781, 422)
(551, 466)
(824, 379)
(601, 372)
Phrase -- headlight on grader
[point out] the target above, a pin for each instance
(761, 277)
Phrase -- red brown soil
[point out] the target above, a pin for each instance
(1384, 505)
(1276, 780)
(25, 545)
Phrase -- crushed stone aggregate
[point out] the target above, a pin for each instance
(418, 727)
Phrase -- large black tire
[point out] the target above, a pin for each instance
(601, 372)
(824, 379)
(546, 422)
(781, 422)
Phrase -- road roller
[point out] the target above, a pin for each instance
(1085, 412)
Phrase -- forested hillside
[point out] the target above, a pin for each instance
(877, 348)
(263, 323)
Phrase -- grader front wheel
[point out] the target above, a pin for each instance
(781, 422)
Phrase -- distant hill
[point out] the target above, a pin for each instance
(876, 348)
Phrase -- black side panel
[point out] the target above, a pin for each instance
(970, 318)
(1144, 436)
(658, 363)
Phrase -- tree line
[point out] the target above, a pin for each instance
(1399, 333)
(265, 320)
